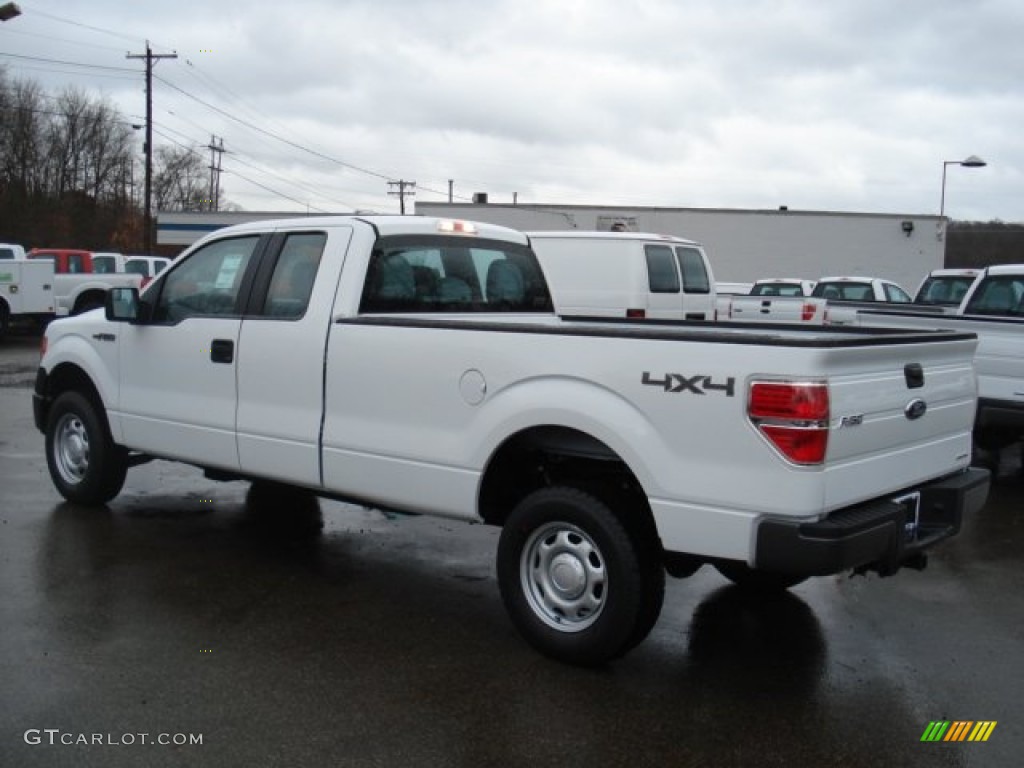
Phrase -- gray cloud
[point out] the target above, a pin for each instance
(748, 103)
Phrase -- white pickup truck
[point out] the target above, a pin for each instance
(26, 292)
(993, 309)
(416, 365)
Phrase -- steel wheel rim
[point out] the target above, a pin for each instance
(564, 577)
(71, 449)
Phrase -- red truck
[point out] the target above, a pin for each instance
(82, 278)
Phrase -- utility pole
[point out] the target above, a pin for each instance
(218, 150)
(149, 56)
(402, 185)
(451, 189)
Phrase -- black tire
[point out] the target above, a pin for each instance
(5, 319)
(752, 579)
(562, 540)
(85, 464)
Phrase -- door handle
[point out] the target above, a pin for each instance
(222, 351)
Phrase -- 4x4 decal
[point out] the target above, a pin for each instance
(696, 385)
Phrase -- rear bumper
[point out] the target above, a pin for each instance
(880, 535)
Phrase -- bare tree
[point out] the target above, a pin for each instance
(179, 179)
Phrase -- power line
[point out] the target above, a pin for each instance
(66, 63)
(276, 192)
(27, 67)
(272, 135)
(8, 31)
(61, 19)
(194, 151)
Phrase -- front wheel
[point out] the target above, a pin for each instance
(572, 577)
(85, 464)
(752, 579)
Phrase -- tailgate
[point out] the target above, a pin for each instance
(899, 415)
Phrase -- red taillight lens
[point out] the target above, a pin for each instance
(636, 314)
(793, 417)
(797, 402)
(807, 314)
(43, 343)
(802, 446)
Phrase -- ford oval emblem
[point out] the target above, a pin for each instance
(915, 409)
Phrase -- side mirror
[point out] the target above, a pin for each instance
(122, 305)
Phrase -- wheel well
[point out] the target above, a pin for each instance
(551, 455)
(70, 378)
(88, 297)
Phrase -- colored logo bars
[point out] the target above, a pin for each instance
(958, 730)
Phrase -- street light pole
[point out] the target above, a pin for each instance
(971, 162)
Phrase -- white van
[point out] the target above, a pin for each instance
(626, 274)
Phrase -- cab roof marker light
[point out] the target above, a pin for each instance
(460, 227)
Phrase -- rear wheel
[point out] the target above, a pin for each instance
(742, 575)
(85, 464)
(573, 577)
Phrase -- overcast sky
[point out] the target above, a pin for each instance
(819, 105)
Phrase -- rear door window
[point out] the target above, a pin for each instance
(695, 274)
(662, 276)
(294, 274)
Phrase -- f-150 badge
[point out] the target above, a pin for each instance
(695, 385)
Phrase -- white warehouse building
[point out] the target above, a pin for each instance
(744, 245)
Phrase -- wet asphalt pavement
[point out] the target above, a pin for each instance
(185, 610)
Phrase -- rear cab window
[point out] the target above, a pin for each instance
(441, 273)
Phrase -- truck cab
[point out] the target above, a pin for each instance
(860, 289)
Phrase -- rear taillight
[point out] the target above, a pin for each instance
(807, 314)
(43, 342)
(636, 314)
(793, 416)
